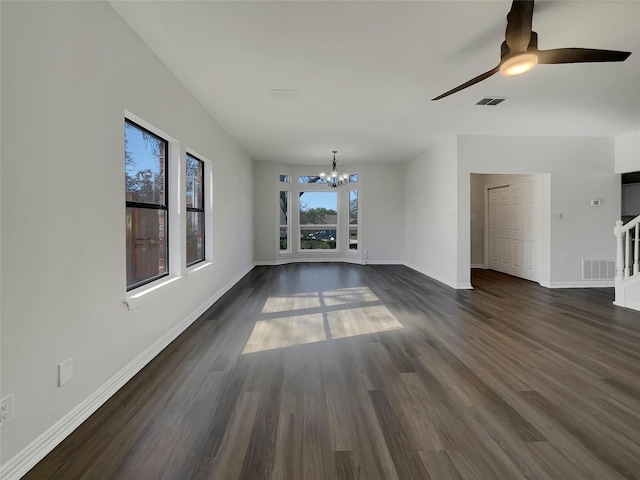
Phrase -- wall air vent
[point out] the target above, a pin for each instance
(279, 94)
(491, 101)
(598, 269)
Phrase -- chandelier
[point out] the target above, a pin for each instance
(335, 179)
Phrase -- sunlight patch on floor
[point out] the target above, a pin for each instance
(293, 301)
(285, 332)
(327, 315)
(349, 295)
(361, 321)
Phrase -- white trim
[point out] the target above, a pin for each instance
(41, 446)
(582, 284)
(446, 282)
(152, 128)
(286, 261)
(629, 305)
(289, 193)
(385, 262)
(143, 294)
(175, 203)
(479, 265)
(288, 178)
(207, 181)
(538, 179)
(198, 268)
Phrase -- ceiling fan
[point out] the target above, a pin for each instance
(519, 52)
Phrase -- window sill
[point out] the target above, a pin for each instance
(322, 251)
(199, 268)
(144, 294)
(282, 252)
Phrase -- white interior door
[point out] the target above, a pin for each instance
(513, 228)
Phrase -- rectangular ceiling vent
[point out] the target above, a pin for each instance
(279, 94)
(598, 269)
(491, 101)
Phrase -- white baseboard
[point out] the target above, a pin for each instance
(431, 275)
(629, 304)
(582, 284)
(41, 446)
(285, 261)
(479, 265)
(385, 262)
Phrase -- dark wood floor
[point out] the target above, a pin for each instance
(337, 371)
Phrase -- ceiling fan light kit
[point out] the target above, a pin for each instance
(519, 64)
(519, 52)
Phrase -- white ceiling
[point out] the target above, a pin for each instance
(366, 71)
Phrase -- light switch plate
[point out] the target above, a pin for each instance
(65, 372)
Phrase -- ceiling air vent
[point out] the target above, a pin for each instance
(279, 94)
(491, 101)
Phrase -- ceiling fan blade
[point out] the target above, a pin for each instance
(519, 20)
(478, 79)
(580, 55)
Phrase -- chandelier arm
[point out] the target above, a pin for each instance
(335, 180)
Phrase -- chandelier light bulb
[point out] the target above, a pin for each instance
(323, 175)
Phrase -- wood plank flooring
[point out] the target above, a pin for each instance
(338, 371)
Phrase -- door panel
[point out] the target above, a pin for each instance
(513, 224)
(517, 253)
(528, 255)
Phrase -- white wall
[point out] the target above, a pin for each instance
(627, 152)
(69, 71)
(432, 205)
(381, 205)
(580, 169)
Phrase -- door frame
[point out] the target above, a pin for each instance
(542, 244)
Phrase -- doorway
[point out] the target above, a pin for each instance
(513, 228)
(507, 233)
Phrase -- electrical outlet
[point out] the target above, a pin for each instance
(6, 409)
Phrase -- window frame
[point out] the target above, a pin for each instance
(304, 187)
(288, 250)
(153, 206)
(353, 225)
(201, 210)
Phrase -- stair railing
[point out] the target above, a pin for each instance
(627, 261)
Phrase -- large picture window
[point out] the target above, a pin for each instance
(318, 220)
(194, 189)
(146, 205)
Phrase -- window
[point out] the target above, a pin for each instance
(353, 220)
(285, 245)
(311, 179)
(146, 187)
(318, 220)
(195, 209)
(284, 178)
